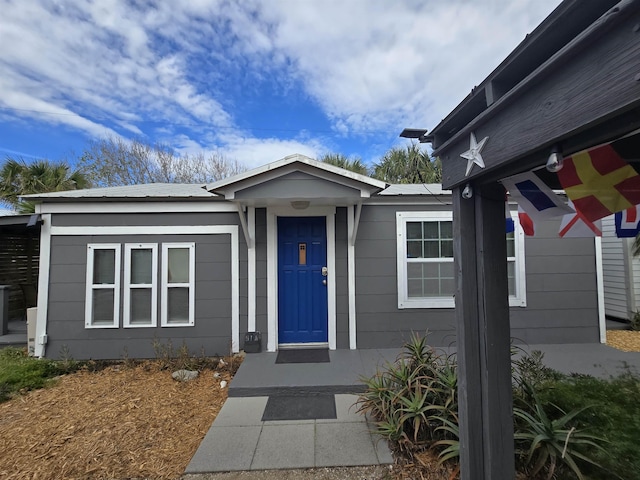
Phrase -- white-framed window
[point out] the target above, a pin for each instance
(102, 305)
(178, 284)
(425, 261)
(140, 305)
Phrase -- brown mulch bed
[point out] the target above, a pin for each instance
(121, 422)
(625, 340)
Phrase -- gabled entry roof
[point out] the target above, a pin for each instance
(297, 178)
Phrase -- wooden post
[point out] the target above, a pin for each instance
(483, 335)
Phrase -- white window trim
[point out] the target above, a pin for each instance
(404, 301)
(165, 283)
(92, 247)
(520, 298)
(126, 315)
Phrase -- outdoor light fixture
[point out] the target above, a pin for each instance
(556, 160)
(300, 204)
(467, 191)
(418, 133)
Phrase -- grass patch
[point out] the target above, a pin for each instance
(614, 415)
(19, 372)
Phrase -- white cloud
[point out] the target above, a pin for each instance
(371, 65)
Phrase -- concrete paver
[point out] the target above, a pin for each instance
(225, 449)
(344, 444)
(285, 446)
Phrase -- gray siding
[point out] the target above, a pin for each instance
(560, 277)
(298, 185)
(342, 280)
(211, 333)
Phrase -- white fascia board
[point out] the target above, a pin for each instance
(146, 230)
(136, 207)
(336, 175)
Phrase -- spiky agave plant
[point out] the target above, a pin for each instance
(550, 440)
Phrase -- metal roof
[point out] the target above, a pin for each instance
(415, 189)
(151, 190)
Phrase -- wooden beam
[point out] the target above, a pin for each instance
(483, 335)
(593, 79)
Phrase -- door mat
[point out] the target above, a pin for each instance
(303, 355)
(299, 407)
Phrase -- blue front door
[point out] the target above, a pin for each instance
(302, 291)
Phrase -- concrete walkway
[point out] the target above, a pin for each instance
(240, 440)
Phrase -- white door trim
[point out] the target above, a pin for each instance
(272, 268)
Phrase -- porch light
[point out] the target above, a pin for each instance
(467, 192)
(555, 161)
(300, 204)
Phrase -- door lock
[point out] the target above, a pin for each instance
(324, 271)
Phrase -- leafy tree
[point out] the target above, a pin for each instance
(339, 160)
(407, 165)
(113, 161)
(17, 177)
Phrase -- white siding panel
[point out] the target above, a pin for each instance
(617, 294)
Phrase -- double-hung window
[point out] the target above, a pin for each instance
(178, 284)
(140, 306)
(425, 261)
(102, 305)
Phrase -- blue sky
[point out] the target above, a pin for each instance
(252, 80)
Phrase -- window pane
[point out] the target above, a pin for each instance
(446, 230)
(446, 269)
(511, 245)
(511, 277)
(141, 261)
(414, 270)
(178, 305)
(431, 230)
(140, 306)
(414, 288)
(446, 249)
(414, 249)
(447, 287)
(178, 265)
(431, 249)
(432, 288)
(414, 230)
(104, 266)
(102, 309)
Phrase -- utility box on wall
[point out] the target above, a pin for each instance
(252, 342)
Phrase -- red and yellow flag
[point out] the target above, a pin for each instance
(600, 182)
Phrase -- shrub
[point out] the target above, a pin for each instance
(546, 439)
(414, 399)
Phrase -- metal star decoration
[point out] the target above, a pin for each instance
(473, 154)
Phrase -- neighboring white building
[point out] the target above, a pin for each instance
(621, 272)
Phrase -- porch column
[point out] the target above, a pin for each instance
(483, 335)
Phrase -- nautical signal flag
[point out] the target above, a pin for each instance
(534, 197)
(575, 225)
(599, 181)
(526, 223)
(628, 222)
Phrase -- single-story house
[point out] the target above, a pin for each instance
(306, 253)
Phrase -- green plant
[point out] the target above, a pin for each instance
(634, 323)
(548, 439)
(414, 399)
(19, 372)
